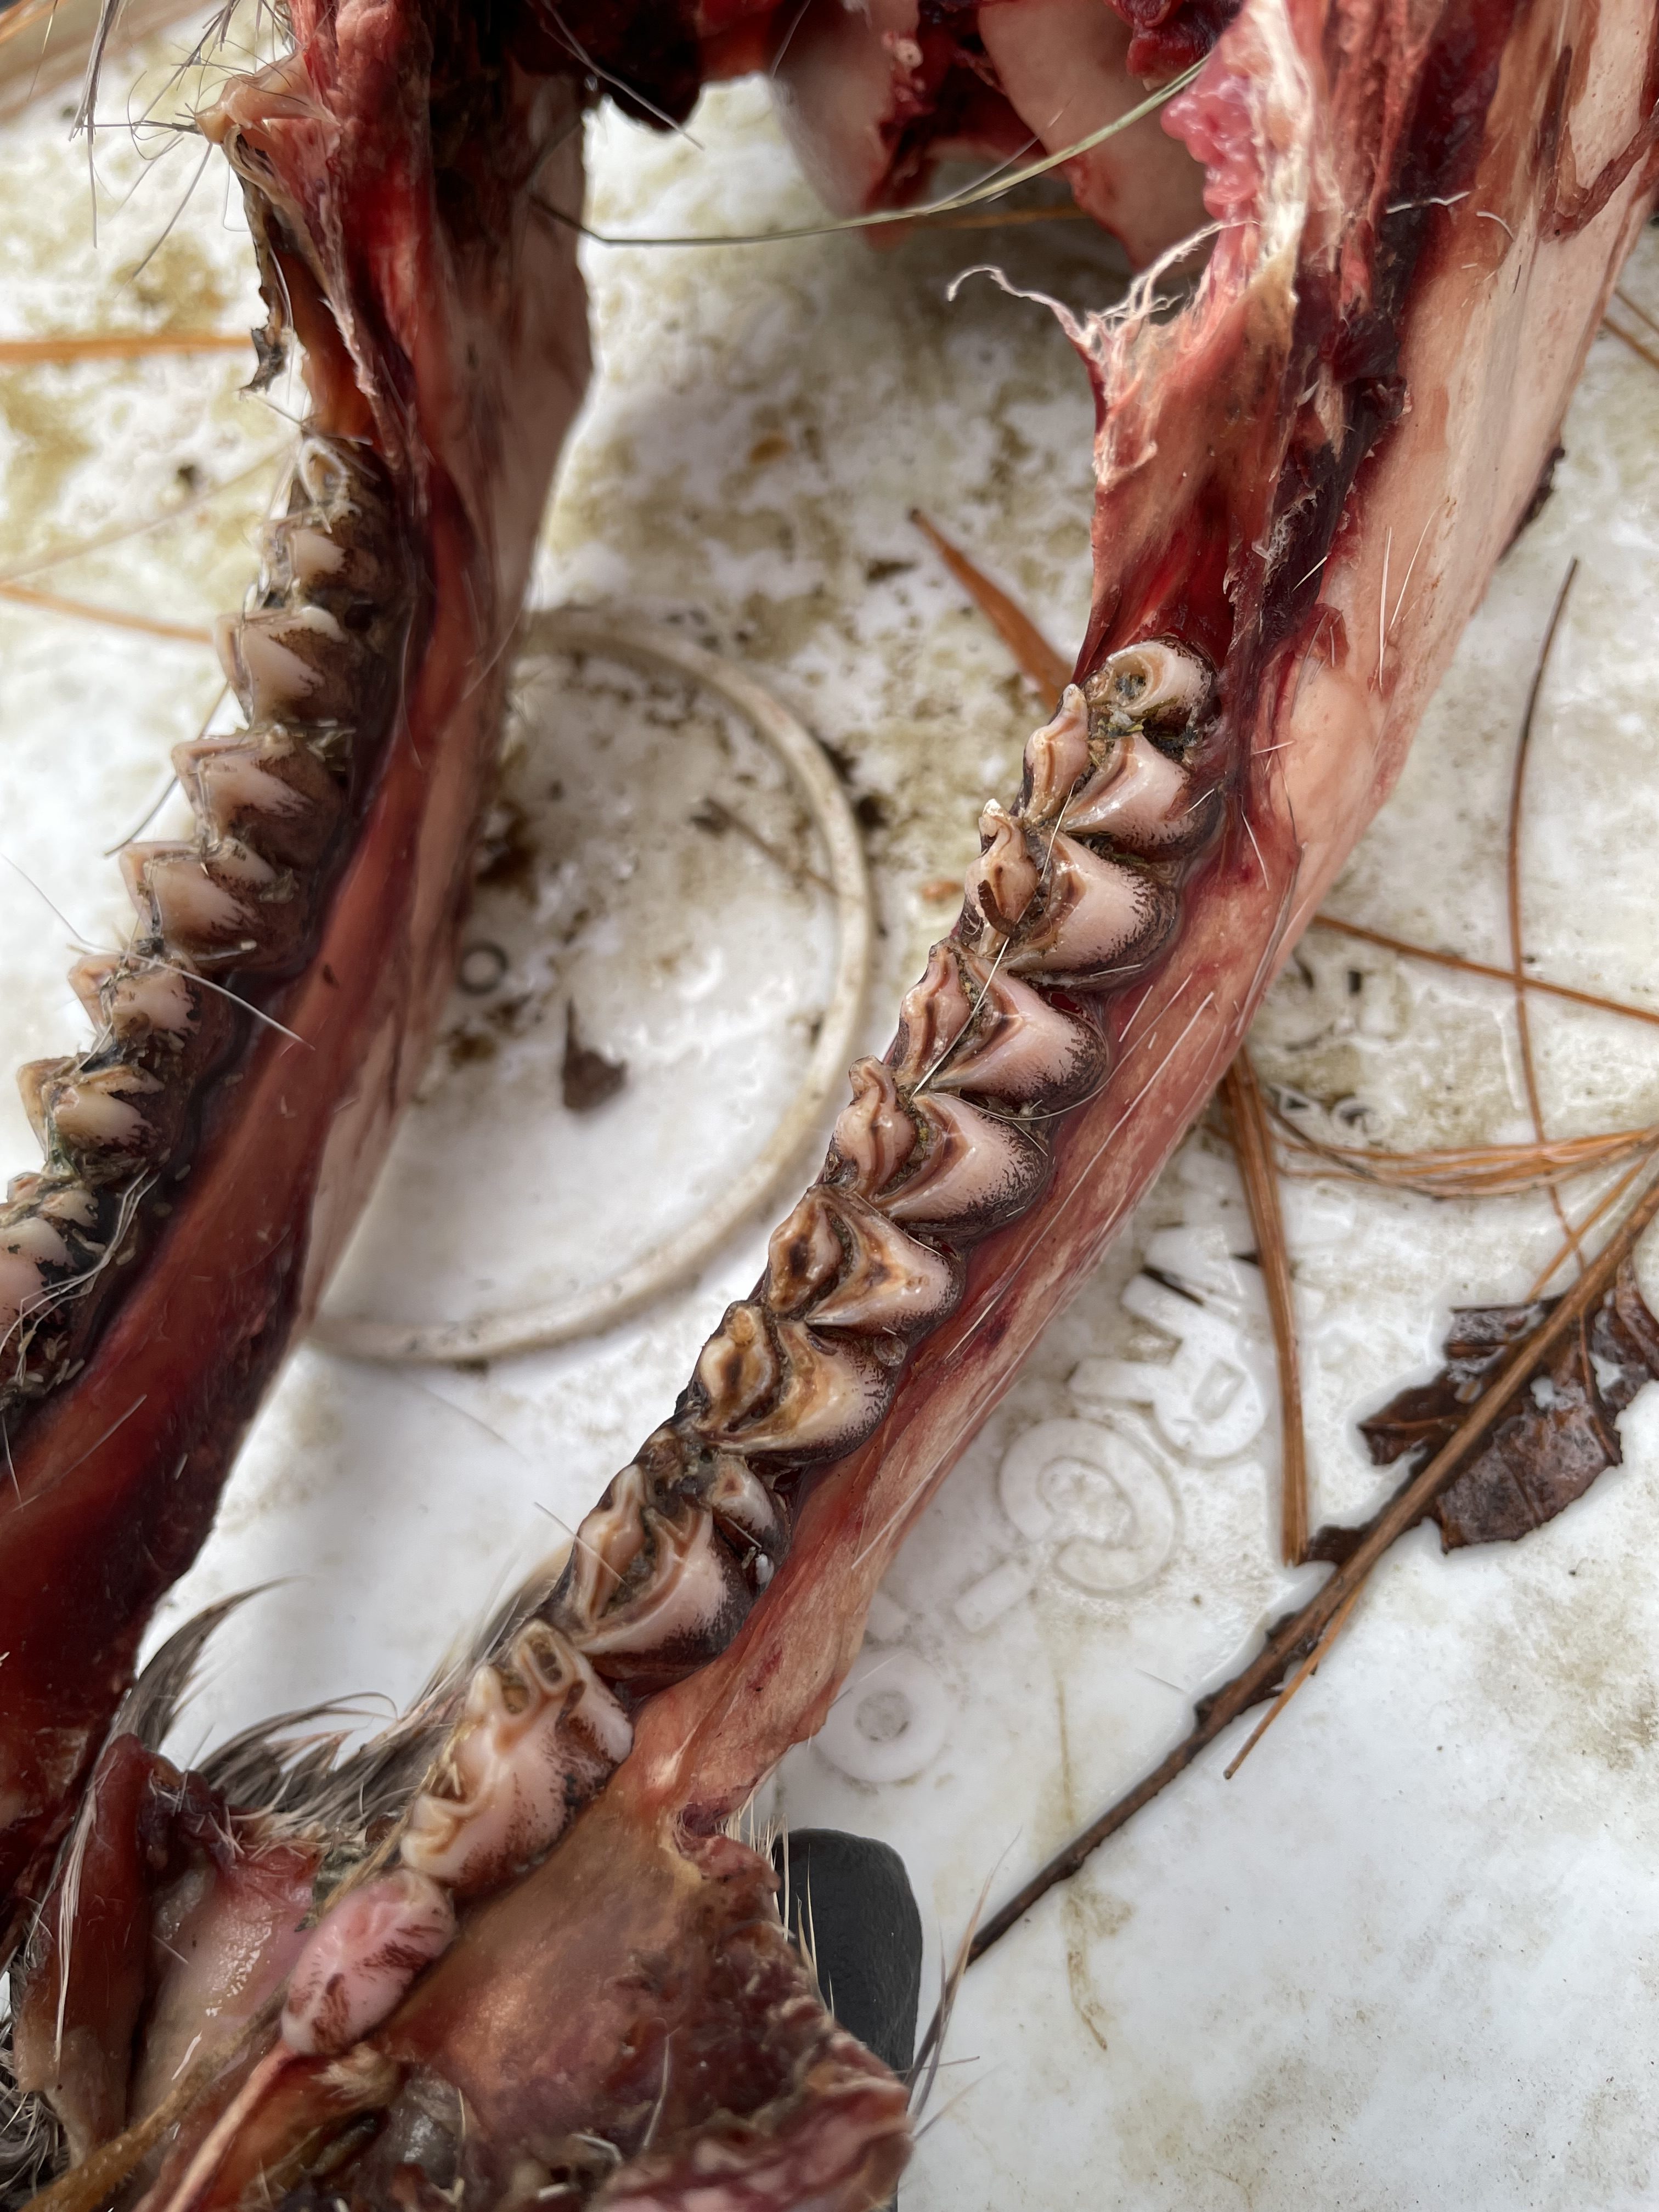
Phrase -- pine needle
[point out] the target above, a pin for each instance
(1253, 1147)
(1512, 883)
(1462, 966)
(1471, 1170)
(1036, 658)
(118, 345)
(111, 617)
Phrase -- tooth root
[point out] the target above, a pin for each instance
(517, 1767)
(1056, 757)
(680, 1612)
(804, 1254)
(1101, 919)
(974, 1171)
(1025, 1051)
(1140, 798)
(935, 1012)
(892, 1281)
(268, 793)
(1003, 882)
(874, 1136)
(825, 1398)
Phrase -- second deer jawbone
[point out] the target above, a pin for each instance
(456, 364)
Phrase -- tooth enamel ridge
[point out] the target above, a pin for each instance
(315, 660)
(1076, 891)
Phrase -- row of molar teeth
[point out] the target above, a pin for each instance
(319, 647)
(873, 1256)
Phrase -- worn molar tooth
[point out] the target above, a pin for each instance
(181, 902)
(134, 1001)
(739, 1371)
(359, 1958)
(891, 1281)
(1003, 882)
(1056, 757)
(1023, 1049)
(934, 1015)
(806, 1253)
(29, 1246)
(1157, 684)
(875, 1135)
(1141, 798)
(539, 1735)
(975, 1170)
(681, 1603)
(266, 790)
(824, 1397)
(97, 1120)
(609, 1540)
(838, 1262)
(226, 904)
(292, 664)
(68, 1203)
(1102, 919)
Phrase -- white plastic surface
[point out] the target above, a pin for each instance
(1410, 1956)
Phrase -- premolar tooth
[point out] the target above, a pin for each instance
(1140, 798)
(935, 1012)
(535, 1741)
(1157, 683)
(1024, 1050)
(609, 1540)
(682, 1608)
(823, 1398)
(1100, 919)
(1003, 881)
(975, 1170)
(804, 1253)
(1056, 755)
(874, 1136)
(892, 1281)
